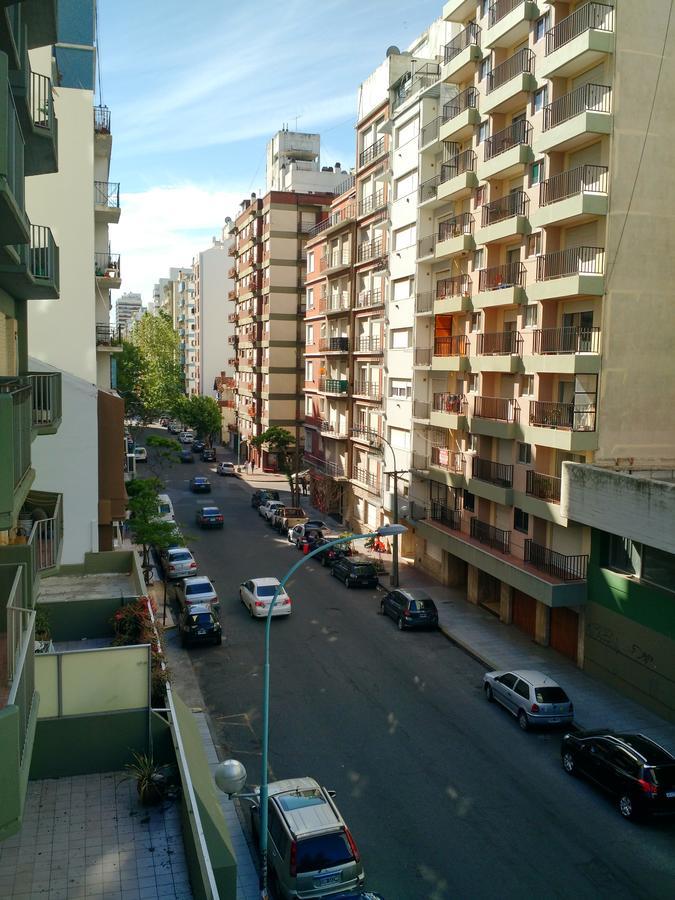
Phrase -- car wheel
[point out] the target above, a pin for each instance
(489, 696)
(523, 720)
(347, 584)
(627, 807)
(401, 623)
(381, 607)
(250, 612)
(568, 763)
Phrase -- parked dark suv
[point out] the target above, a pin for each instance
(262, 496)
(633, 769)
(410, 609)
(354, 572)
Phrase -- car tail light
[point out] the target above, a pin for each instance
(172, 568)
(534, 708)
(286, 601)
(352, 845)
(193, 565)
(294, 859)
(647, 787)
(407, 613)
(219, 518)
(259, 603)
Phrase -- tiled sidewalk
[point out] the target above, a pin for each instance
(88, 836)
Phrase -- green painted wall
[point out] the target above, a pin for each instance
(10, 789)
(79, 619)
(216, 833)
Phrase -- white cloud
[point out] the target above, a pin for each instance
(167, 226)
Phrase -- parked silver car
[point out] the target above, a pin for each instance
(178, 562)
(532, 697)
(197, 589)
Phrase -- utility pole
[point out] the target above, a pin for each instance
(394, 580)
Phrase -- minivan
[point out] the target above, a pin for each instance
(311, 852)
(165, 508)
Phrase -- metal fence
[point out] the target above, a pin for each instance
(597, 16)
(567, 568)
(494, 537)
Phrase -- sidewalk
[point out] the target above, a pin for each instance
(498, 646)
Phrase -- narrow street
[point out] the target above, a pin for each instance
(445, 795)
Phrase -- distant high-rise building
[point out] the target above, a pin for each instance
(127, 309)
(293, 164)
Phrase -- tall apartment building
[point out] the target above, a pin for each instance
(538, 282)
(294, 164)
(127, 311)
(212, 329)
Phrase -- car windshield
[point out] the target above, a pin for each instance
(551, 695)
(266, 590)
(654, 754)
(198, 589)
(200, 480)
(322, 852)
(211, 511)
(164, 508)
(201, 619)
(421, 605)
(364, 570)
(663, 775)
(180, 557)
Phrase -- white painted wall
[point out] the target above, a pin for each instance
(214, 327)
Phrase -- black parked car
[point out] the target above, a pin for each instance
(633, 769)
(332, 554)
(410, 609)
(200, 485)
(198, 624)
(262, 496)
(198, 445)
(354, 571)
(209, 454)
(186, 456)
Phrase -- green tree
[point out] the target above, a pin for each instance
(202, 414)
(129, 377)
(282, 443)
(166, 452)
(146, 528)
(152, 370)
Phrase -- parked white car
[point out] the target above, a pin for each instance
(186, 437)
(268, 509)
(165, 508)
(199, 589)
(257, 595)
(140, 454)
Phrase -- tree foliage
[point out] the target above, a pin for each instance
(150, 377)
(200, 413)
(166, 452)
(146, 527)
(281, 442)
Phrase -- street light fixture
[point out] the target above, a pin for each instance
(230, 775)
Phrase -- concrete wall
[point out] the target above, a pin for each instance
(214, 327)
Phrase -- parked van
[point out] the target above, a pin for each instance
(165, 508)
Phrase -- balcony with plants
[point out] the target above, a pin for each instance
(107, 268)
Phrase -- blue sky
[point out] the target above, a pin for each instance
(197, 88)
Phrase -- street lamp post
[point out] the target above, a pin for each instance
(385, 531)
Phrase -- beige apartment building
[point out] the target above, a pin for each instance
(541, 203)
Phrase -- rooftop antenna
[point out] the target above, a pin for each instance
(296, 121)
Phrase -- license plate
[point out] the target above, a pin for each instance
(322, 880)
(201, 631)
(670, 794)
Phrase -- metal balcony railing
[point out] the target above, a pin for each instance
(370, 204)
(422, 356)
(545, 487)
(520, 63)
(467, 99)
(421, 409)
(333, 385)
(447, 459)
(458, 165)
(450, 403)
(333, 303)
(370, 250)
(46, 398)
(568, 416)
(43, 258)
(101, 120)
(15, 420)
(451, 345)
(498, 277)
(108, 335)
(369, 389)
(341, 215)
(587, 98)
(424, 77)
(566, 568)
(518, 133)
(334, 344)
(575, 339)
(363, 476)
(429, 189)
(457, 286)
(499, 474)
(501, 8)
(499, 343)
(107, 193)
(430, 131)
(377, 149)
(573, 261)
(456, 227)
(494, 537)
(451, 518)
(368, 343)
(345, 185)
(424, 302)
(426, 246)
(499, 408)
(41, 102)
(583, 179)
(107, 265)
(470, 35)
(46, 535)
(597, 16)
(20, 659)
(517, 203)
(333, 428)
(363, 432)
(368, 298)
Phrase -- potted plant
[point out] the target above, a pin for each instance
(151, 782)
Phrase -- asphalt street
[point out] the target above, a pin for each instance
(445, 795)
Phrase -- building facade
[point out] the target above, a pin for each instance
(211, 284)
(294, 164)
(127, 311)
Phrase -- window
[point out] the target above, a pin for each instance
(484, 67)
(474, 384)
(646, 563)
(541, 27)
(478, 257)
(658, 567)
(407, 132)
(309, 370)
(276, 829)
(468, 501)
(402, 289)
(309, 406)
(522, 689)
(476, 320)
(400, 388)
(405, 237)
(530, 315)
(539, 99)
(309, 334)
(308, 441)
(533, 244)
(399, 438)
(624, 555)
(310, 297)
(405, 185)
(484, 7)
(401, 338)
(525, 454)
(527, 385)
(310, 261)
(521, 520)
(483, 132)
(536, 172)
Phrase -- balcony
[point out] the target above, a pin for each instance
(101, 120)
(509, 83)
(498, 351)
(459, 10)
(372, 203)
(444, 467)
(494, 537)
(461, 55)
(334, 260)
(500, 285)
(369, 390)
(424, 303)
(421, 411)
(458, 177)
(108, 338)
(579, 42)
(46, 401)
(453, 295)
(422, 357)
(455, 236)
(497, 417)
(491, 480)
(570, 273)
(336, 220)
(334, 303)
(572, 197)
(449, 411)
(460, 116)
(372, 153)
(568, 351)
(571, 119)
(508, 152)
(421, 79)
(370, 250)
(446, 515)
(14, 226)
(31, 271)
(543, 487)
(369, 344)
(108, 271)
(504, 219)
(232, 295)
(333, 385)
(369, 299)
(335, 430)
(450, 353)
(370, 479)
(41, 133)
(326, 467)
(16, 474)
(426, 247)
(565, 416)
(334, 345)
(362, 433)
(447, 459)
(509, 22)
(107, 201)
(232, 272)
(558, 565)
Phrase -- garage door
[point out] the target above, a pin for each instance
(524, 612)
(565, 631)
